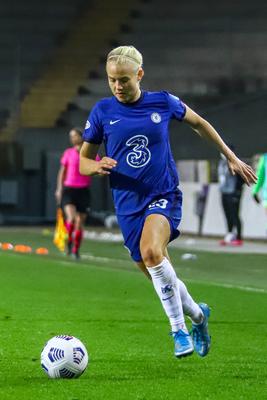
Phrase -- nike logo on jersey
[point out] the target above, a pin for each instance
(114, 122)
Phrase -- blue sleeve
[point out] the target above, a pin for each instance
(93, 131)
(176, 107)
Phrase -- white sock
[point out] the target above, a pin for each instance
(165, 283)
(190, 307)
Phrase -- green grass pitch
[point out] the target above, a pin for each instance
(113, 309)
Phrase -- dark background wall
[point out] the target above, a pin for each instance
(242, 123)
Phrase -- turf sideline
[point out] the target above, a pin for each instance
(121, 261)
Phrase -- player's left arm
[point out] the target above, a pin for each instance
(207, 131)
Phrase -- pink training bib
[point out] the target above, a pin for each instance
(70, 160)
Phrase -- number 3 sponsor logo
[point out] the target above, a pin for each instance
(140, 154)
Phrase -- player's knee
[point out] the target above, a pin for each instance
(151, 255)
(78, 224)
(70, 220)
(78, 221)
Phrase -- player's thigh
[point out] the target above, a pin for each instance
(70, 212)
(156, 229)
(155, 237)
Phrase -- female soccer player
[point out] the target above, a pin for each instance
(72, 193)
(133, 125)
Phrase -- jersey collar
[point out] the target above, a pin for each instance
(135, 103)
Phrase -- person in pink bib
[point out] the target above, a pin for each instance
(72, 193)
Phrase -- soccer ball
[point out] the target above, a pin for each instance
(64, 357)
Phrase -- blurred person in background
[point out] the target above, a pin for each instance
(133, 124)
(261, 184)
(231, 190)
(72, 193)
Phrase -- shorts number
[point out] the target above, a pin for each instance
(162, 203)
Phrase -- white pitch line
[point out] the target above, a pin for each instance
(121, 261)
(212, 283)
(229, 286)
(101, 259)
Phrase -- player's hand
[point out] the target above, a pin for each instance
(105, 165)
(256, 198)
(246, 172)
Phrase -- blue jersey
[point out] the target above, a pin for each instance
(136, 136)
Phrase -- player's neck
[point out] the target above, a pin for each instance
(136, 96)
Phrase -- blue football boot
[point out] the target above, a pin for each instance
(201, 337)
(183, 345)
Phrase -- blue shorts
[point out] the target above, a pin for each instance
(131, 226)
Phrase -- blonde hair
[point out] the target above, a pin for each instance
(125, 55)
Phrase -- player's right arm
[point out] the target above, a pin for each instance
(88, 164)
(60, 180)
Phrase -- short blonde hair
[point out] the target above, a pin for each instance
(125, 55)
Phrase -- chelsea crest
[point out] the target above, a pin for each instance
(156, 118)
